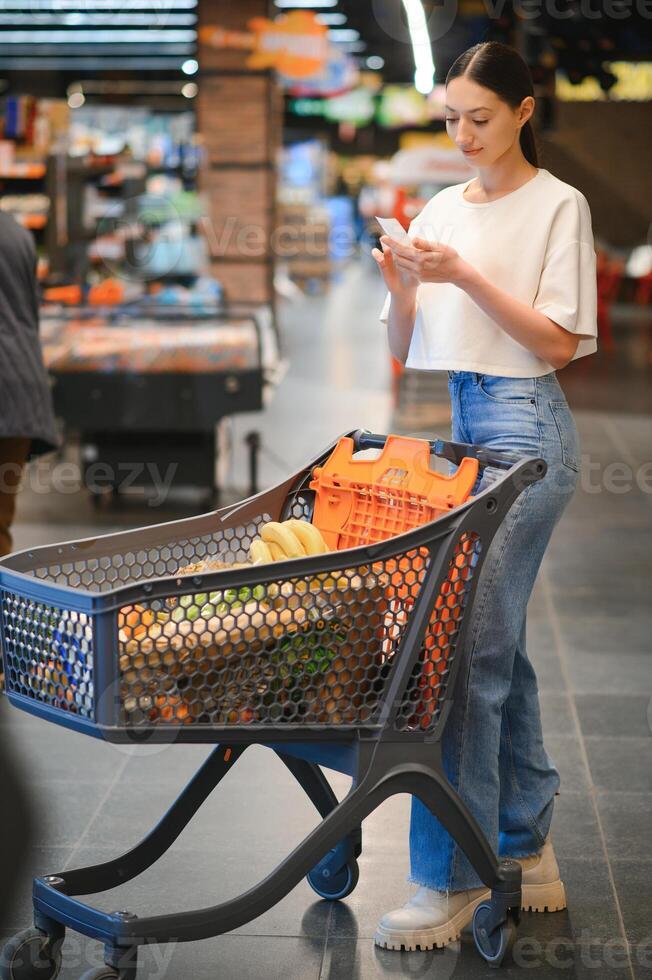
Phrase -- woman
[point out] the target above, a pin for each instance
(497, 287)
(27, 424)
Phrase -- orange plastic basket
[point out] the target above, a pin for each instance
(362, 501)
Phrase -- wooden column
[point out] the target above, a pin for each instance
(240, 118)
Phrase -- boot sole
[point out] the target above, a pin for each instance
(549, 897)
(433, 938)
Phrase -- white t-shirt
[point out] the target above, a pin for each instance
(536, 243)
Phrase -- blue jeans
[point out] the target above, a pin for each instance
(492, 745)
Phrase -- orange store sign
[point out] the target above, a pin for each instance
(295, 44)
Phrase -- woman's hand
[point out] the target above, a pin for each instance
(427, 261)
(397, 280)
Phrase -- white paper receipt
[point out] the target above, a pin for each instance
(393, 228)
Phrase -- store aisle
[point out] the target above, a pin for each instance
(589, 629)
(337, 376)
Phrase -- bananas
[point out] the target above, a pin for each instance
(277, 552)
(260, 552)
(309, 536)
(289, 539)
(283, 536)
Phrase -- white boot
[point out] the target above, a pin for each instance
(543, 889)
(430, 918)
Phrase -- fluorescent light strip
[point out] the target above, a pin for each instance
(114, 5)
(87, 20)
(89, 64)
(306, 3)
(331, 18)
(424, 74)
(344, 34)
(95, 37)
(353, 46)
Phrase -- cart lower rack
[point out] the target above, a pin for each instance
(344, 660)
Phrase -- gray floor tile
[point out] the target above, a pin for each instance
(227, 957)
(601, 634)
(556, 714)
(614, 715)
(591, 914)
(620, 764)
(38, 861)
(62, 810)
(575, 826)
(565, 753)
(625, 820)
(602, 671)
(197, 879)
(45, 751)
(634, 885)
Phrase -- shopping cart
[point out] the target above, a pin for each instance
(345, 660)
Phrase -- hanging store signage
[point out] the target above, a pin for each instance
(296, 44)
(402, 105)
(633, 84)
(339, 75)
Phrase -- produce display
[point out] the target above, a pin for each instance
(145, 345)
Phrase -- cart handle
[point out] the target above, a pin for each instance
(452, 451)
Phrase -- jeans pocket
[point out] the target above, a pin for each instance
(508, 391)
(565, 423)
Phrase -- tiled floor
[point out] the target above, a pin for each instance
(589, 637)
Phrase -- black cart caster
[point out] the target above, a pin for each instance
(101, 973)
(31, 955)
(493, 945)
(331, 884)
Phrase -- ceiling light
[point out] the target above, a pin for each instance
(190, 67)
(375, 62)
(424, 74)
(144, 36)
(343, 35)
(306, 3)
(189, 90)
(97, 5)
(332, 19)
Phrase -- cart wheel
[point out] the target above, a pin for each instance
(25, 957)
(101, 973)
(335, 886)
(493, 946)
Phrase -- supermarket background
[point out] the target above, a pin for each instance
(201, 178)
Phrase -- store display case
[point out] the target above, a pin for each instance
(149, 385)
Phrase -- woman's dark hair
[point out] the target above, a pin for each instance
(502, 70)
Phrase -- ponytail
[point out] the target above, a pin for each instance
(528, 144)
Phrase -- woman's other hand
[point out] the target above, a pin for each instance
(428, 261)
(397, 280)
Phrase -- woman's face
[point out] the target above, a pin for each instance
(483, 126)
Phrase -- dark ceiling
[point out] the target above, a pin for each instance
(582, 34)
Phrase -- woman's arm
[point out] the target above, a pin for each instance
(403, 304)
(434, 262)
(400, 324)
(528, 326)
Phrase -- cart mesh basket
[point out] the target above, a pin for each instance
(164, 630)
